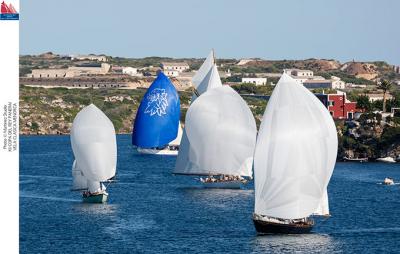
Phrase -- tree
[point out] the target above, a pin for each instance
(363, 103)
(384, 86)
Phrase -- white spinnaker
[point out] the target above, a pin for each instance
(183, 164)
(94, 144)
(94, 186)
(203, 70)
(177, 140)
(323, 207)
(222, 133)
(79, 181)
(295, 153)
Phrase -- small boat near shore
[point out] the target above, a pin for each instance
(355, 159)
(387, 159)
(293, 161)
(94, 146)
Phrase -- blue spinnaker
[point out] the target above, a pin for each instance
(157, 119)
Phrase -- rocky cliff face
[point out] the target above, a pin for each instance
(362, 70)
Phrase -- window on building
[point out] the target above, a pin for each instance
(350, 115)
(331, 103)
(331, 112)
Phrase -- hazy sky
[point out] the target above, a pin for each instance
(363, 30)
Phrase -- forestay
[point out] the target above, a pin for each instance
(157, 118)
(222, 134)
(210, 80)
(94, 144)
(295, 153)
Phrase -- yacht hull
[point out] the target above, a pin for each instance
(158, 152)
(265, 227)
(224, 185)
(99, 198)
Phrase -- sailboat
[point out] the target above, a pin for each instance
(293, 161)
(156, 127)
(219, 135)
(201, 84)
(94, 146)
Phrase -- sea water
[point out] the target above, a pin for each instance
(152, 211)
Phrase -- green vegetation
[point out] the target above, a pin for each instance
(384, 86)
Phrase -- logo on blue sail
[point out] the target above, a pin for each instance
(157, 102)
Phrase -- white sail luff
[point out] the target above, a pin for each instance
(203, 70)
(222, 133)
(177, 140)
(295, 153)
(204, 81)
(94, 144)
(79, 182)
(323, 207)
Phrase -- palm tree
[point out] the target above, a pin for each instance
(385, 86)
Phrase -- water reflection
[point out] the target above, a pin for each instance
(217, 197)
(306, 243)
(95, 209)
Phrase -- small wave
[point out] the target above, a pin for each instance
(133, 224)
(47, 177)
(48, 198)
(388, 184)
(367, 231)
(27, 181)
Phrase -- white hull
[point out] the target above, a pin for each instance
(165, 151)
(224, 185)
(386, 159)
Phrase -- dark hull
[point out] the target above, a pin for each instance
(265, 227)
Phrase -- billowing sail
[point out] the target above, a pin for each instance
(183, 163)
(94, 144)
(222, 134)
(94, 186)
(157, 119)
(203, 70)
(323, 207)
(295, 153)
(79, 182)
(177, 140)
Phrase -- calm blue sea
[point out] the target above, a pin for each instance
(152, 211)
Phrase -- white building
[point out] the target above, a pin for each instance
(130, 71)
(299, 73)
(100, 58)
(174, 66)
(256, 81)
(376, 97)
(172, 73)
(72, 71)
(337, 83)
(333, 83)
